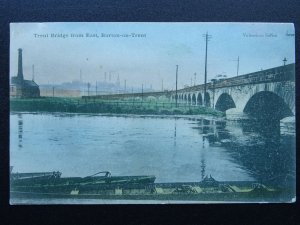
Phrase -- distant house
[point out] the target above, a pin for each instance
(20, 87)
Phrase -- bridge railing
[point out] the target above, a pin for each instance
(277, 74)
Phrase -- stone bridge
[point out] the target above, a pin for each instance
(263, 94)
(146, 95)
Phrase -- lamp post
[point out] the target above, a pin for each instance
(284, 61)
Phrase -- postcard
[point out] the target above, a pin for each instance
(151, 113)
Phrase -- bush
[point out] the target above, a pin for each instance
(79, 106)
(151, 111)
(177, 111)
(165, 112)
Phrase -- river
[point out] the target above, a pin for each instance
(174, 149)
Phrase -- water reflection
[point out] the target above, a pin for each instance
(203, 166)
(166, 147)
(256, 145)
(268, 129)
(175, 132)
(20, 131)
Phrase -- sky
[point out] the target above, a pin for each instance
(151, 58)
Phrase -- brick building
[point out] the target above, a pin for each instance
(20, 87)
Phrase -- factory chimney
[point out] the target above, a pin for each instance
(20, 66)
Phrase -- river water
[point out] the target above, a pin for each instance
(174, 149)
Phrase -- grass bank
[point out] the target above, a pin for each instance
(78, 105)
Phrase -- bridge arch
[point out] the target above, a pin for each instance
(199, 99)
(175, 97)
(194, 99)
(224, 102)
(185, 98)
(189, 99)
(267, 105)
(207, 99)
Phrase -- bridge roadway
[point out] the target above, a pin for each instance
(256, 93)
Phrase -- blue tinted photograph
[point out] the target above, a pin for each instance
(152, 113)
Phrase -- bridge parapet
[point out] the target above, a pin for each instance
(129, 95)
(276, 74)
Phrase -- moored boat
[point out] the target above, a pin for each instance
(106, 186)
(53, 182)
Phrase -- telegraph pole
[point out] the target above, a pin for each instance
(176, 84)
(205, 71)
(88, 85)
(142, 91)
(195, 79)
(80, 77)
(125, 86)
(33, 72)
(118, 80)
(238, 65)
(96, 87)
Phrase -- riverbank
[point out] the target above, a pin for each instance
(78, 105)
(274, 196)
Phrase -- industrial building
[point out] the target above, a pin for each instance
(20, 87)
